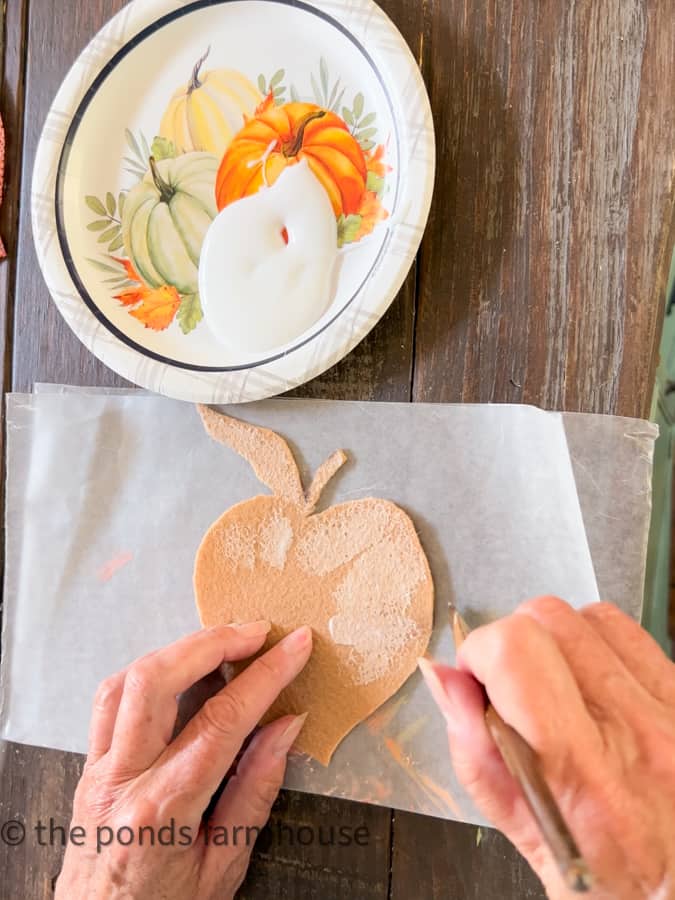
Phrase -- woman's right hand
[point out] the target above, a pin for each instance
(594, 695)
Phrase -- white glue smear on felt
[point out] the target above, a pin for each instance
(270, 542)
(238, 545)
(275, 536)
(371, 604)
(328, 543)
(377, 571)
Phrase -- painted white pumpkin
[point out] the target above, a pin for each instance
(166, 217)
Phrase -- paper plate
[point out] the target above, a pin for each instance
(177, 82)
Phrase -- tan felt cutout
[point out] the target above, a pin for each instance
(356, 573)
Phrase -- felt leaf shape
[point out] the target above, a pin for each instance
(267, 452)
(355, 572)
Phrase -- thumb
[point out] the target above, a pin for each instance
(246, 803)
(477, 761)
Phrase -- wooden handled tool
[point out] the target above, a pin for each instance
(522, 763)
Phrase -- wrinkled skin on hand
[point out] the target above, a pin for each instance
(594, 695)
(136, 776)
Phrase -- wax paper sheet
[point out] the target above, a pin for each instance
(109, 494)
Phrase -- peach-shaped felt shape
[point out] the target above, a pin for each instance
(356, 573)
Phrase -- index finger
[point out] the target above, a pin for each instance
(148, 706)
(635, 647)
(610, 690)
(209, 743)
(530, 683)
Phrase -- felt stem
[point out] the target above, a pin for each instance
(267, 452)
(323, 475)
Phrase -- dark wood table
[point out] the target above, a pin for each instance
(540, 280)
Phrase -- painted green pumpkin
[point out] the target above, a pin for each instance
(166, 217)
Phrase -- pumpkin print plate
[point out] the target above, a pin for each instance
(176, 111)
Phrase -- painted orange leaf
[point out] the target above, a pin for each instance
(129, 268)
(158, 307)
(155, 308)
(375, 162)
(371, 212)
(263, 106)
(132, 296)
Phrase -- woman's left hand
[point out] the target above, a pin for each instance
(142, 796)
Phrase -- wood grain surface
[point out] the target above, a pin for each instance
(540, 280)
(543, 269)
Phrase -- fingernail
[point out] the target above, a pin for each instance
(251, 629)
(436, 689)
(288, 736)
(297, 640)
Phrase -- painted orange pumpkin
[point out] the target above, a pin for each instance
(280, 136)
